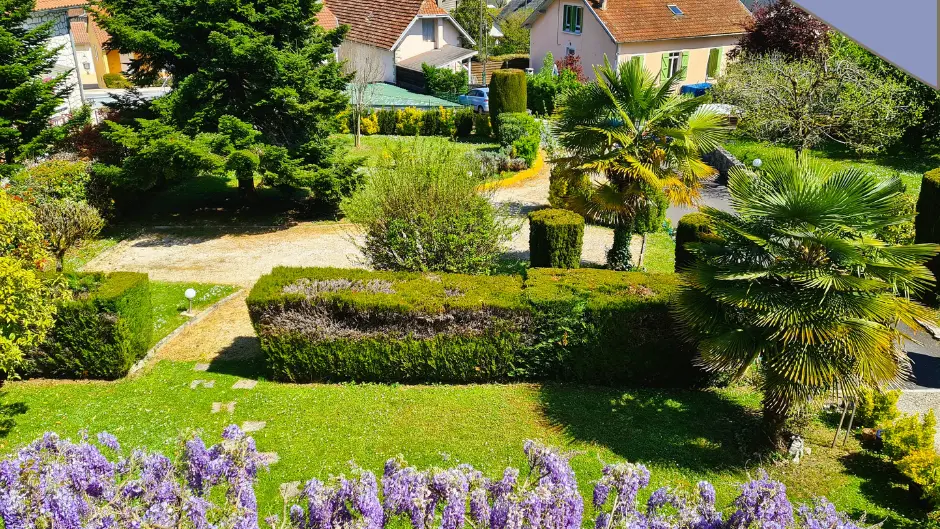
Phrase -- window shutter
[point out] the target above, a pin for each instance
(580, 17)
(637, 59)
(721, 59)
(664, 70)
(685, 65)
(564, 18)
(712, 71)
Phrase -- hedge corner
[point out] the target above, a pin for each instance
(555, 238)
(694, 227)
(927, 219)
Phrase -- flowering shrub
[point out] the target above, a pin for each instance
(58, 483)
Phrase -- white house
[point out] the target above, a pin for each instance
(666, 35)
(393, 36)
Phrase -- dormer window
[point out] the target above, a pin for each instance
(675, 9)
(428, 27)
(571, 21)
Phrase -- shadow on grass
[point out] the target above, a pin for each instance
(8, 413)
(240, 358)
(695, 430)
(884, 485)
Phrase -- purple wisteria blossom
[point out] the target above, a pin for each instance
(343, 504)
(763, 504)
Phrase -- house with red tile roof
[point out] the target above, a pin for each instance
(666, 36)
(393, 38)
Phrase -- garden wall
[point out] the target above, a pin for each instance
(100, 333)
(593, 326)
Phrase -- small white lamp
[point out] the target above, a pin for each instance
(757, 163)
(190, 294)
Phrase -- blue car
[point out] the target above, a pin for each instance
(478, 98)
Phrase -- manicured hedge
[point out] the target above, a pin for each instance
(101, 334)
(593, 326)
(555, 238)
(694, 227)
(927, 221)
(507, 94)
(336, 324)
(607, 327)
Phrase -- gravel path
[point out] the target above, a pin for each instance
(241, 257)
(226, 334)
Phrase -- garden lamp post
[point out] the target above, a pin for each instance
(757, 163)
(190, 294)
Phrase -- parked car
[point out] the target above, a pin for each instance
(478, 98)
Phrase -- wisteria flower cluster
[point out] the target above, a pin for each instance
(56, 483)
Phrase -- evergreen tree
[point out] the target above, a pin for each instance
(28, 95)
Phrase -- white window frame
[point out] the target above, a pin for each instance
(675, 63)
(425, 24)
(572, 26)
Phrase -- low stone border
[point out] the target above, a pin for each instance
(176, 332)
(518, 177)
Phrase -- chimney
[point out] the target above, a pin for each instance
(602, 4)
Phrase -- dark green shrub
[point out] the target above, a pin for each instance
(607, 327)
(564, 183)
(543, 90)
(521, 133)
(387, 120)
(555, 238)
(99, 334)
(463, 121)
(116, 80)
(336, 324)
(694, 227)
(444, 81)
(927, 221)
(507, 94)
(481, 124)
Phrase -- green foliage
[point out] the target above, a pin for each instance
(438, 122)
(421, 212)
(565, 182)
(902, 232)
(99, 334)
(20, 237)
(544, 90)
(555, 238)
(243, 163)
(463, 122)
(522, 134)
(515, 35)
(56, 179)
(927, 219)
(923, 468)
(116, 80)
(66, 223)
(408, 121)
(444, 80)
(875, 408)
(29, 91)
(475, 18)
(27, 311)
(770, 262)
(507, 94)
(387, 120)
(908, 434)
(692, 228)
(481, 125)
(645, 139)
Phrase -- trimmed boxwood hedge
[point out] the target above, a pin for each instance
(507, 94)
(596, 326)
(555, 238)
(101, 334)
(927, 220)
(694, 227)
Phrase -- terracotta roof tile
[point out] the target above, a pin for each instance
(76, 12)
(380, 22)
(326, 19)
(642, 20)
(79, 32)
(42, 5)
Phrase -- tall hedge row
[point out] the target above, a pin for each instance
(101, 334)
(591, 326)
(694, 227)
(507, 94)
(555, 238)
(927, 220)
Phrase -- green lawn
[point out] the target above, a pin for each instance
(372, 146)
(660, 253)
(169, 303)
(683, 436)
(909, 168)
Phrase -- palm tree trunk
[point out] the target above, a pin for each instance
(618, 257)
(775, 416)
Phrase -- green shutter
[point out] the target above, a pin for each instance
(565, 18)
(685, 65)
(664, 70)
(721, 59)
(712, 71)
(580, 13)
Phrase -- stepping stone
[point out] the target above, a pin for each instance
(219, 406)
(290, 490)
(253, 426)
(245, 384)
(201, 367)
(268, 458)
(204, 383)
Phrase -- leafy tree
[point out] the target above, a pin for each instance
(798, 284)
(781, 27)
(444, 80)
(475, 18)
(515, 34)
(645, 139)
(801, 103)
(28, 96)
(66, 223)
(20, 237)
(265, 63)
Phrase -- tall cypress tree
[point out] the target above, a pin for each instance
(28, 95)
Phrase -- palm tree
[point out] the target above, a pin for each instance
(645, 139)
(798, 284)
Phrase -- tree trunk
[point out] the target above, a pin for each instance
(618, 257)
(775, 421)
(246, 187)
(59, 260)
(639, 261)
(357, 140)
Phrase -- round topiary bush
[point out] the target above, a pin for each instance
(927, 219)
(507, 94)
(694, 227)
(555, 238)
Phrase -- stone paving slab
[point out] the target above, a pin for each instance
(253, 426)
(290, 490)
(208, 384)
(217, 407)
(245, 384)
(269, 458)
(201, 367)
